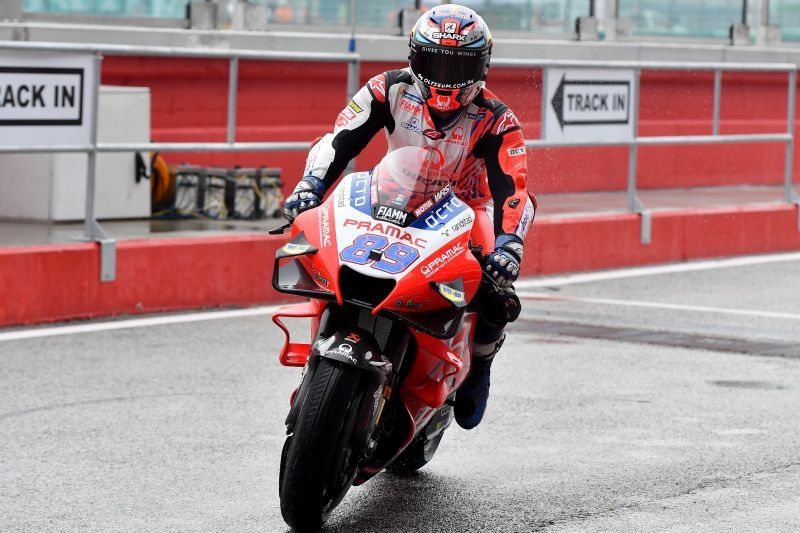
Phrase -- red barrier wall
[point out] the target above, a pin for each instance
(52, 283)
(299, 101)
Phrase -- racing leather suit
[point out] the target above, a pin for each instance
(482, 148)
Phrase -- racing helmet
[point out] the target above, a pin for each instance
(449, 58)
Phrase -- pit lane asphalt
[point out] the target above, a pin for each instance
(179, 427)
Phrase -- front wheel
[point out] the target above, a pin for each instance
(319, 464)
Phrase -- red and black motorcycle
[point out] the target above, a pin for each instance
(390, 262)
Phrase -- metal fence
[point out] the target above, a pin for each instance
(634, 204)
(93, 231)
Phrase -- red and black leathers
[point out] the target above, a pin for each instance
(481, 148)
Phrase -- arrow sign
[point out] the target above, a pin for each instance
(588, 104)
(592, 102)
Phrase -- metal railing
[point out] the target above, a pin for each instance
(93, 231)
(634, 204)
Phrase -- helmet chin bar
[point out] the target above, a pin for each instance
(444, 100)
(448, 100)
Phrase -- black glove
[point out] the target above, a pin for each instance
(307, 195)
(503, 264)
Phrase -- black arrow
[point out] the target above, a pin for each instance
(558, 102)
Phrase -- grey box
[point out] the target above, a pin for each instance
(740, 34)
(768, 35)
(11, 9)
(250, 17)
(202, 15)
(587, 29)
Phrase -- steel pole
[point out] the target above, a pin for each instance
(92, 229)
(91, 162)
(717, 100)
(233, 90)
(788, 190)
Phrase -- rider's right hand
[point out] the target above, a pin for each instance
(307, 195)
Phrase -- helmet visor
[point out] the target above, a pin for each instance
(448, 67)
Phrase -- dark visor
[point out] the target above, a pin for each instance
(448, 68)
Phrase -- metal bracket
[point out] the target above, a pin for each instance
(646, 219)
(94, 232)
(794, 199)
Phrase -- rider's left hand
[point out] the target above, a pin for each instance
(503, 264)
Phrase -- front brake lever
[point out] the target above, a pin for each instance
(280, 229)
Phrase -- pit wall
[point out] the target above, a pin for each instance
(283, 101)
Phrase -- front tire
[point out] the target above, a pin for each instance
(319, 463)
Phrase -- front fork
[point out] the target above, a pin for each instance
(336, 339)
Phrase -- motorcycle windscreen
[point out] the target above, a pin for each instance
(410, 178)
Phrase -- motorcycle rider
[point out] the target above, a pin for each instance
(440, 102)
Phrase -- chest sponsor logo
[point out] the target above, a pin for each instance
(413, 97)
(476, 116)
(412, 125)
(410, 107)
(456, 137)
(438, 262)
(433, 134)
(392, 214)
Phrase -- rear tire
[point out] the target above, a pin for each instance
(319, 464)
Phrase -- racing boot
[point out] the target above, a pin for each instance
(473, 394)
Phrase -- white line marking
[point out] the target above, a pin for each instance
(77, 329)
(656, 305)
(655, 270)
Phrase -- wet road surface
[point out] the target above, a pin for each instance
(667, 402)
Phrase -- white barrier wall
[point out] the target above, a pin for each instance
(52, 187)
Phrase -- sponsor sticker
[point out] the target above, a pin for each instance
(392, 214)
(438, 262)
(291, 248)
(432, 134)
(516, 151)
(476, 116)
(407, 304)
(355, 107)
(412, 108)
(450, 207)
(412, 125)
(385, 229)
(378, 86)
(413, 97)
(325, 226)
(506, 122)
(449, 36)
(451, 294)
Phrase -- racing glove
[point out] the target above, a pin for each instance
(503, 264)
(307, 195)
